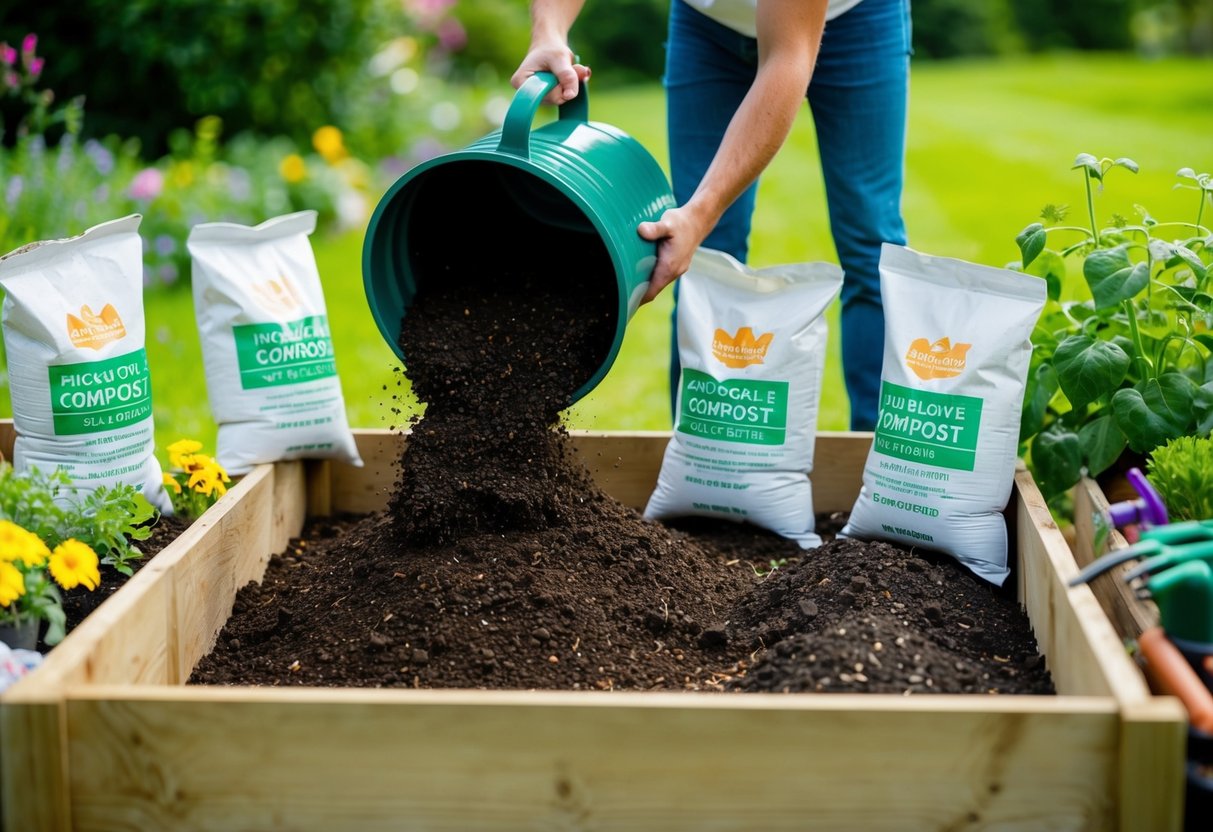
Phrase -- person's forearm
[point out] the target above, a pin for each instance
(789, 37)
(552, 19)
(757, 131)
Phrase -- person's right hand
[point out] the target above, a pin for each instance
(557, 59)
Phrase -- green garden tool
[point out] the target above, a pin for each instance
(1176, 542)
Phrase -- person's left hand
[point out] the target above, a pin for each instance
(677, 234)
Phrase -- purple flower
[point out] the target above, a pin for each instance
(12, 192)
(8, 55)
(102, 194)
(35, 68)
(28, 44)
(103, 160)
(168, 274)
(165, 245)
(425, 149)
(67, 154)
(147, 184)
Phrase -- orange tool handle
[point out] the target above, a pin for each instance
(1170, 673)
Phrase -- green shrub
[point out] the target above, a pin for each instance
(273, 67)
(1182, 471)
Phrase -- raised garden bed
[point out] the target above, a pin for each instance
(106, 736)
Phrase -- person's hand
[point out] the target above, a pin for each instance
(678, 233)
(557, 59)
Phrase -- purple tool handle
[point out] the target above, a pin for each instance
(1149, 510)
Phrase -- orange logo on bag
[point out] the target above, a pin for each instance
(942, 359)
(277, 295)
(95, 331)
(742, 349)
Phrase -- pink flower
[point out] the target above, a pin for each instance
(35, 67)
(452, 35)
(29, 44)
(8, 55)
(431, 8)
(147, 184)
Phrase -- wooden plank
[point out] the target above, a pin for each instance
(230, 547)
(1130, 615)
(319, 498)
(1085, 654)
(366, 489)
(8, 437)
(1153, 774)
(290, 503)
(167, 759)
(1153, 730)
(33, 765)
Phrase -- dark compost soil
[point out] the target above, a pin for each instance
(499, 563)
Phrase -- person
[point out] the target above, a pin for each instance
(736, 74)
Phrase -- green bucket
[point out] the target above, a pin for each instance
(569, 190)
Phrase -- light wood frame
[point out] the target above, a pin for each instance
(104, 736)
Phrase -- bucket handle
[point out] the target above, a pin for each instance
(516, 129)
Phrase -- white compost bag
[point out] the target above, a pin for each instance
(74, 335)
(956, 351)
(270, 372)
(752, 346)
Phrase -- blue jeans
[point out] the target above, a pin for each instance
(858, 100)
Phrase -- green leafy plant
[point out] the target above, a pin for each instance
(1127, 366)
(1182, 471)
(106, 519)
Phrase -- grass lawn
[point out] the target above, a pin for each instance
(989, 144)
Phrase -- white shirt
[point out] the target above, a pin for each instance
(739, 15)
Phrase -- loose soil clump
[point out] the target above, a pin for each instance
(500, 564)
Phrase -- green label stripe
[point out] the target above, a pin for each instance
(270, 355)
(733, 410)
(97, 396)
(931, 428)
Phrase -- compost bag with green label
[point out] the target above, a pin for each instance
(752, 345)
(74, 335)
(270, 371)
(956, 352)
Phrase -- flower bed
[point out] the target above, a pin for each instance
(106, 736)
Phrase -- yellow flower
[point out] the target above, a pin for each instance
(329, 144)
(209, 478)
(170, 482)
(181, 173)
(293, 168)
(180, 453)
(12, 584)
(18, 544)
(74, 563)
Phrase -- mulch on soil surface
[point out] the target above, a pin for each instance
(499, 563)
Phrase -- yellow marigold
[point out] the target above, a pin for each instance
(209, 479)
(17, 543)
(293, 168)
(74, 563)
(329, 144)
(170, 482)
(181, 452)
(12, 584)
